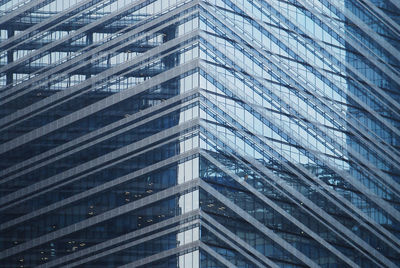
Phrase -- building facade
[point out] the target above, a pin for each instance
(200, 133)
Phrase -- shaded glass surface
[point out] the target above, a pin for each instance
(199, 133)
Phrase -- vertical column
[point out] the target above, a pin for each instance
(10, 58)
(89, 41)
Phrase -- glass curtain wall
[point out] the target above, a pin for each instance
(199, 133)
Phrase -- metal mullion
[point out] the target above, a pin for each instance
(300, 118)
(318, 181)
(90, 139)
(237, 240)
(76, 34)
(321, 100)
(216, 255)
(130, 244)
(162, 255)
(97, 162)
(154, 227)
(386, 179)
(291, 190)
(378, 146)
(259, 226)
(389, 22)
(145, 201)
(355, 71)
(73, 63)
(33, 79)
(318, 210)
(343, 200)
(99, 80)
(69, 13)
(94, 190)
(3, 2)
(371, 33)
(89, 192)
(98, 106)
(281, 211)
(109, 40)
(373, 61)
(28, 7)
(395, 3)
(326, 187)
(381, 120)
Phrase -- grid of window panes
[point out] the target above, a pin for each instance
(199, 133)
(99, 133)
(301, 131)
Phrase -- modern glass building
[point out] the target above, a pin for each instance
(199, 133)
